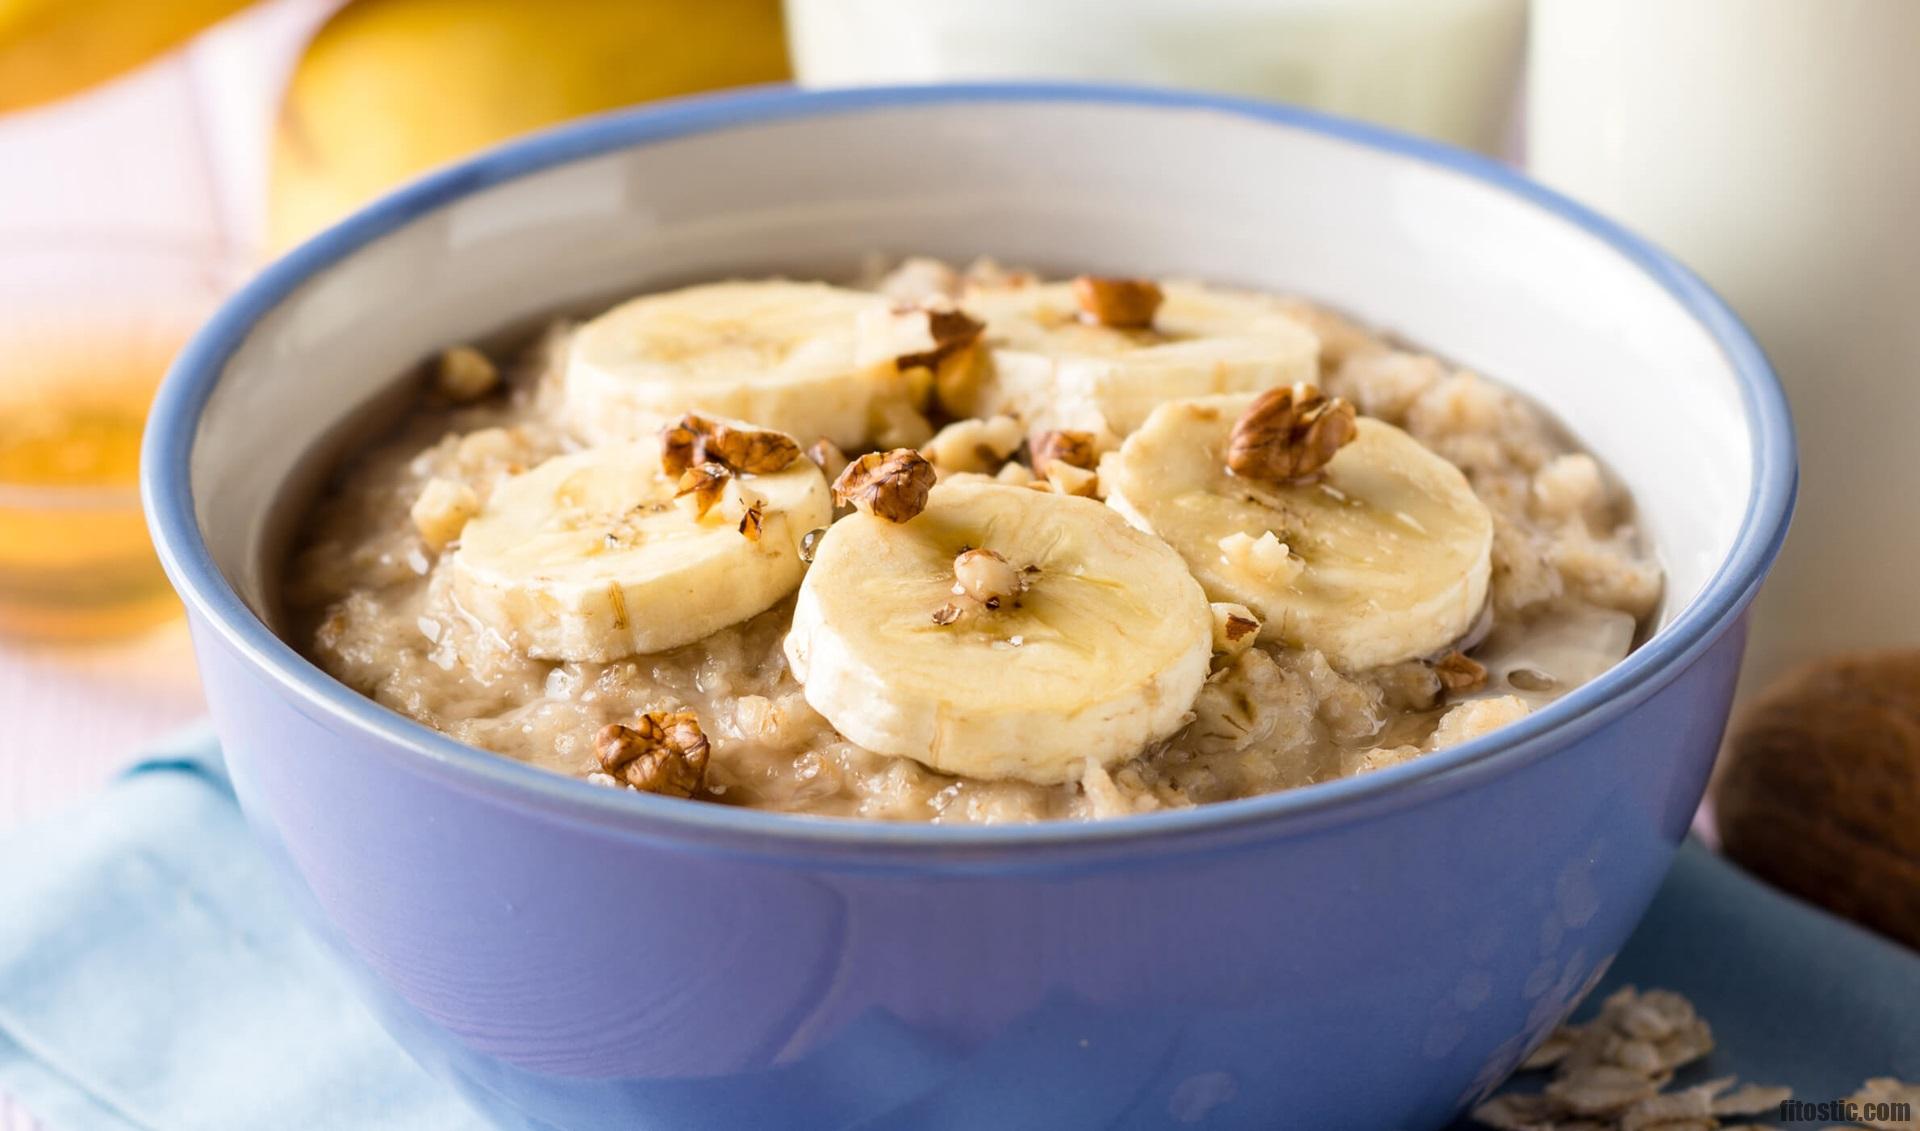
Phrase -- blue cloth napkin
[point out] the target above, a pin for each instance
(152, 978)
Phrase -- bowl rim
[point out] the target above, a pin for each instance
(184, 394)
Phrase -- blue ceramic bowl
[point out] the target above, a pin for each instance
(1370, 953)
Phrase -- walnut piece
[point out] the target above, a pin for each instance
(754, 451)
(1460, 673)
(1124, 304)
(464, 375)
(694, 440)
(1075, 449)
(706, 482)
(682, 444)
(950, 330)
(1234, 628)
(1289, 433)
(986, 577)
(891, 485)
(828, 456)
(664, 752)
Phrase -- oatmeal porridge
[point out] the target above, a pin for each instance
(967, 546)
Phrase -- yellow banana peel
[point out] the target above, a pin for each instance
(390, 88)
(52, 48)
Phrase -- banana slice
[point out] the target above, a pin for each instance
(590, 556)
(780, 354)
(1057, 370)
(1063, 635)
(1384, 556)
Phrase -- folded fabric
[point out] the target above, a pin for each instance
(152, 977)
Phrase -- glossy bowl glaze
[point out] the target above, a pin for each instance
(1370, 953)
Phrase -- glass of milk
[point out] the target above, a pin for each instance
(1774, 146)
(1444, 68)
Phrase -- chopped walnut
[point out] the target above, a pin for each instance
(442, 510)
(1126, 304)
(919, 334)
(464, 375)
(949, 330)
(1289, 433)
(1076, 449)
(891, 485)
(754, 451)
(1460, 673)
(751, 507)
(986, 577)
(682, 444)
(664, 752)
(695, 440)
(1234, 628)
(827, 454)
(946, 614)
(706, 482)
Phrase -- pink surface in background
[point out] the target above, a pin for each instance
(174, 152)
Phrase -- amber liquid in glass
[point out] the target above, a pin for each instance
(75, 560)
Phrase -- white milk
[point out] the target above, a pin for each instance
(1444, 68)
(1774, 145)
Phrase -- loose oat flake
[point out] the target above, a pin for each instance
(1613, 1074)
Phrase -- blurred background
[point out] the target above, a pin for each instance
(156, 152)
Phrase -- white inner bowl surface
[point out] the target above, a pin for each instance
(1488, 279)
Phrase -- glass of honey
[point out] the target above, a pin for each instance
(87, 328)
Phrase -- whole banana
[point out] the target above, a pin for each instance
(50, 49)
(390, 88)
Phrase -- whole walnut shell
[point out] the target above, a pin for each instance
(1819, 789)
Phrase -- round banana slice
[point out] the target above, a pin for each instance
(1056, 367)
(781, 354)
(1383, 556)
(591, 556)
(1001, 633)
